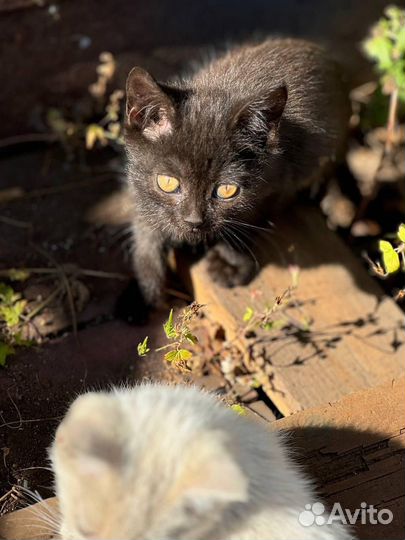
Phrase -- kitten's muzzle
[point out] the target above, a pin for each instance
(194, 235)
(194, 221)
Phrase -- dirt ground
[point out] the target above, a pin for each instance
(160, 35)
(40, 381)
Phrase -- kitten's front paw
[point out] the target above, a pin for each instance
(134, 307)
(131, 306)
(229, 274)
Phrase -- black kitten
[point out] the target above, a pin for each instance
(207, 154)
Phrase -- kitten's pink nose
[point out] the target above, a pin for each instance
(194, 219)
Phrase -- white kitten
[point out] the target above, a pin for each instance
(159, 462)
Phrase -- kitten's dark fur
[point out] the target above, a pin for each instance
(266, 117)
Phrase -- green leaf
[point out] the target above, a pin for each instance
(379, 48)
(5, 351)
(278, 324)
(267, 325)
(11, 313)
(143, 348)
(247, 316)
(185, 354)
(19, 341)
(180, 355)
(16, 274)
(7, 294)
(169, 328)
(396, 77)
(171, 356)
(384, 246)
(401, 232)
(397, 16)
(191, 338)
(57, 122)
(386, 46)
(239, 409)
(390, 257)
(400, 45)
(95, 133)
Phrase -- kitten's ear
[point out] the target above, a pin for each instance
(214, 479)
(151, 106)
(262, 115)
(91, 438)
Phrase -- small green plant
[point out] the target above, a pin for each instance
(12, 310)
(6, 350)
(101, 125)
(143, 348)
(178, 334)
(393, 257)
(239, 409)
(108, 129)
(12, 306)
(264, 317)
(17, 274)
(239, 358)
(385, 46)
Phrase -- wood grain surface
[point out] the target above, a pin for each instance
(356, 338)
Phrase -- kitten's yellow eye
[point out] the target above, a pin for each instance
(168, 184)
(226, 191)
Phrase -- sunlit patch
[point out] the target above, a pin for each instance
(168, 184)
(226, 191)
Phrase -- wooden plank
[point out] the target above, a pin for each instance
(355, 449)
(26, 523)
(357, 336)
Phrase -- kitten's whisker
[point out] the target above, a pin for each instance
(34, 468)
(120, 232)
(41, 527)
(41, 520)
(228, 239)
(246, 234)
(250, 225)
(244, 246)
(45, 522)
(29, 494)
(224, 238)
(44, 514)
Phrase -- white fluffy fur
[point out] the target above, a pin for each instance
(158, 462)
